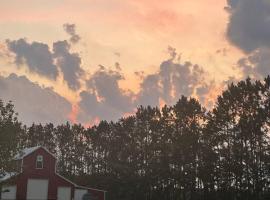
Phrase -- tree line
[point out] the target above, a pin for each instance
(178, 152)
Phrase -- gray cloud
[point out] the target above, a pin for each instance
(261, 61)
(35, 55)
(150, 91)
(71, 30)
(117, 66)
(104, 98)
(249, 24)
(249, 29)
(91, 109)
(106, 84)
(69, 63)
(32, 102)
(39, 59)
(256, 64)
(170, 82)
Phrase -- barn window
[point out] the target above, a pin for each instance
(39, 162)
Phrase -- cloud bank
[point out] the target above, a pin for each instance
(101, 97)
(41, 60)
(249, 30)
(249, 24)
(32, 102)
(104, 99)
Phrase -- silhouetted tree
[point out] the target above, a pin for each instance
(179, 152)
(10, 131)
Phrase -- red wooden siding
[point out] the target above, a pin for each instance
(48, 172)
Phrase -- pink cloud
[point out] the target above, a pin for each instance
(74, 113)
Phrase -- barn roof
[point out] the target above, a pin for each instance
(25, 152)
(7, 176)
(78, 186)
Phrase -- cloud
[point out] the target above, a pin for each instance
(32, 102)
(249, 30)
(104, 98)
(256, 64)
(249, 24)
(106, 84)
(37, 57)
(150, 91)
(171, 81)
(71, 30)
(69, 63)
(91, 109)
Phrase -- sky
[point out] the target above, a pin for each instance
(89, 60)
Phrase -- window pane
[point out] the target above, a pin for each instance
(39, 162)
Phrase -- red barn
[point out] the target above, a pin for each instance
(38, 180)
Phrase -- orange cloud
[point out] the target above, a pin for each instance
(93, 122)
(162, 103)
(212, 95)
(74, 113)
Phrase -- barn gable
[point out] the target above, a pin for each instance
(27, 151)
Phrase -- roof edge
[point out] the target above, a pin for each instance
(17, 157)
(8, 176)
(78, 186)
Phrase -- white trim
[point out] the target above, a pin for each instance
(21, 165)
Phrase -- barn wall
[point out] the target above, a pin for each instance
(54, 182)
(48, 172)
(29, 163)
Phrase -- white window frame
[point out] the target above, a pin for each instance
(39, 159)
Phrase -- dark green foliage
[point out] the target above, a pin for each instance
(181, 152)
(10, 131)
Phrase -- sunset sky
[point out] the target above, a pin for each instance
(87, 60)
